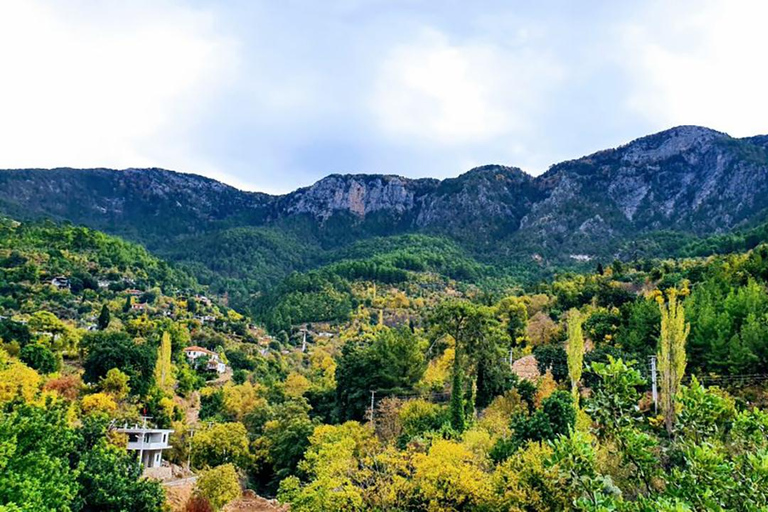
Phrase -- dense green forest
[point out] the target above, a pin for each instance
(430, 380)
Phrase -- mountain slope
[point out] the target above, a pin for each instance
(688, 180)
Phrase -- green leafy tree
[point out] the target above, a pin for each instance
(286, 436)
(574, 458)
(468, 325)
(46, 464)
(614, 401)
(704, 412)
(111, 480)
(40, 358)
(117, 350)
(555, 417)
(390, 363)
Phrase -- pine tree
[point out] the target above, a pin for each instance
(163, 371)
(104, 318)
(575, 350)
(671, 356)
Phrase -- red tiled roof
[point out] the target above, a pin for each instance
(195, 348)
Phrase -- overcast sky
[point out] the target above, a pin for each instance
(273, 95)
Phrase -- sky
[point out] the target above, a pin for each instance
(274, 95)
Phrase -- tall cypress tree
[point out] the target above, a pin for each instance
(104, 318)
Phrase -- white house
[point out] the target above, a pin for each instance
(214, 361)
(202, 298)
(147, 443)
(60, 282)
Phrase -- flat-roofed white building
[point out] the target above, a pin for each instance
(148, 443)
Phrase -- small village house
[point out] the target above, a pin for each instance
(214, 363)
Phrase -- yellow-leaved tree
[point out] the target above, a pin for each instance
(674, 333)
(163, 371)
(575, 350)
(219, 485)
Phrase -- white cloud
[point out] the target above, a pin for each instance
(704, 65)
(435, 91)
(110, 85)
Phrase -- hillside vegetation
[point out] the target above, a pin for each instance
(387, 383)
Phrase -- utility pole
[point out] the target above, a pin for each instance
(654, 391)
(373, 396)
(143, 436)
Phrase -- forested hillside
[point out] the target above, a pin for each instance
(653, 197)
(403, 374)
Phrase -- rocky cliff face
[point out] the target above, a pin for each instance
(359, 195)
(689, 179)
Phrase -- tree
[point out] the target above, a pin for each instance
(447, 478)
(117, 350)
(575, 460)
(554, 418)
(286, 436)
(468, 325)
(98, 403)
(46, 464)
(219, 485)
(671, 356)
(17, 380)
(40, 358)
(220, 443)
(104, 318)
(111, 480)
(332, 464)
(515, 317)
(34, 469)
(553, 359)
(163, 369)
(417, 417)
(390, 363)
(575, 350)
(62, 336)
(116, 384)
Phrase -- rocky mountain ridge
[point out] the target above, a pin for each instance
(688, 179)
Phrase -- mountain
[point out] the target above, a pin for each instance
(690, 181)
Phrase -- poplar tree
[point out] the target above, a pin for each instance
(163, 372)
(671, 356)
(575, 350)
